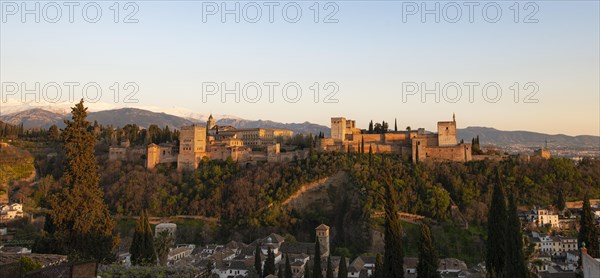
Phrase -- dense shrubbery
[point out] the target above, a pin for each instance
(430, 189)
(221, 189)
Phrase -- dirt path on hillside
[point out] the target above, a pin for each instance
(316, 192)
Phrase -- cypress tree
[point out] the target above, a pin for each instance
(428, 261)
(269, 267)
(82, 221)
(560, 201)
(362, 145)
(257, 260)
(142, 247)
(343, 268)
(370, 155)
(378, 273)
(395, 124)
(288, 268)
(515, 259)
(496, 241)
(317, 264)
(393, 262)
(587, 230)
(329, 273)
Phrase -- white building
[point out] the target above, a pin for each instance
(543, 217)
(179, 253)
(231, 269)
(590, 265)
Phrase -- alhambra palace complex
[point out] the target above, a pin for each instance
(259, 144)
(417, 145)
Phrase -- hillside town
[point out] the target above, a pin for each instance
(549, 233)
(553, 252)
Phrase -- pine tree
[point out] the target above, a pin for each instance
(257, 260)
(496, 241)
(288, 268)
(378, 273)
(428, 261)
(269, 267)
(393, 263)
(317, 264)
(142, 247)
(587, 230)
(83, 223)
(343, 268)
(515, 259)
(329, 273)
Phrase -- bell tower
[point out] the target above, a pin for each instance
(323, 238)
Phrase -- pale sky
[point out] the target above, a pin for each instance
(367, 56)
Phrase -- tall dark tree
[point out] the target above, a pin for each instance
(393, 261)
(142, 246)
(587, 231)
(343, 268)
(81, 218)
(371, 127)
(370, 155)
(515, 265)
(288, 268)
(560, 200)
(362, 145)
(428, 260)
(317, 269)
(269, 267)
(378, 273)
(257, 260)
(329, 272)
(395, 124)
(496, 240)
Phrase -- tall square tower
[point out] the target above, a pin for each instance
(192, 147)
(338, 128)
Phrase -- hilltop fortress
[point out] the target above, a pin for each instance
(250, 145)
(214, 142)
(417, 145)
(222, 142)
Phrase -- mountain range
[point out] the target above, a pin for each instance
(42, 118)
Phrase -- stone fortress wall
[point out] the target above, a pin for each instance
(416, 145)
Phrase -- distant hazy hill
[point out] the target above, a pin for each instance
(489, 135)
(143, 118)
(305, 127)
(39, 118)
(34, 118)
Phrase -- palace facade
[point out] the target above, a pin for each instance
(417, 145)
